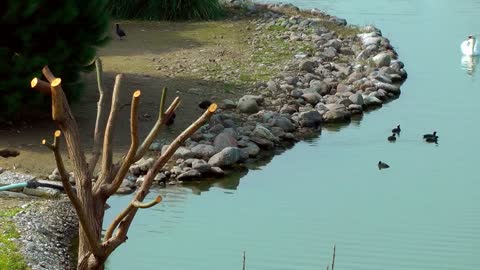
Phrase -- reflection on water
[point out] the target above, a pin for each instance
(469, 64)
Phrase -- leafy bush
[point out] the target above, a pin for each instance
(165, 9)
(61, 34)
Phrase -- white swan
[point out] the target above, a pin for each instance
(470, 46)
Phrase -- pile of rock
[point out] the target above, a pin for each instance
(342, 77)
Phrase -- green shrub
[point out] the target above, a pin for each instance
(61, 34)
(165, 9)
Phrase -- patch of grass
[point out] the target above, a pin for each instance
(228, 88)
(342, 31)
(277, 28)
(165, 9)
(10, 257)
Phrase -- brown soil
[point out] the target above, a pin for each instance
(196, 61)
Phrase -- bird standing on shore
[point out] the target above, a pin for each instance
(171, 120)
(120, 32)
(382, 165)
(204, 104)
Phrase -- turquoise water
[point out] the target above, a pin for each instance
(422, 213)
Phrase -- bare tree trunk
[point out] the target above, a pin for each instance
(89, 200)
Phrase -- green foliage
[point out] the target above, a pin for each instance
(10, 258)
(165, 9)
(61, 34)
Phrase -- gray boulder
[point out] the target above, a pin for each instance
(391, 88)
(262, 142)
(248, 105)
(336, 116)
(252, 149)
(382, 59)
(227, 157)
(288, 109)
(189, 175)
(312, 98)
(283, 123)
(223, 140)
(371, 101)
(201, 165)
(203, 151)
(311, 119)
(307, 65)
(263, 132)
(320, 87)
(356, 99)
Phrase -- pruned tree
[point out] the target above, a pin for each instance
(93, 190)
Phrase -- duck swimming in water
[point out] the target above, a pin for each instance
(382, 165)
(396, 130)
(433, 135)
(432, 139)
(392, 138)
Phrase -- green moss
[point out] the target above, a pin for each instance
(276, 28)
(10, 257)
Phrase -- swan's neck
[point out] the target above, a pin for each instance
(472, 44)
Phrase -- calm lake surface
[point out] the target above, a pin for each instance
(423, 213)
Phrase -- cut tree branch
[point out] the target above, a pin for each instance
(41, 86)
(109, 130)
(55, 147)
(104, 97)
(155, 130)
(128, 160)
(116, 221)
(48, 74)
(126, 217)
(58, 98)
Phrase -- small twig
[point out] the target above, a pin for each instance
(82, 216)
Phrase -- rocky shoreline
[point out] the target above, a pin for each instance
(343, 71)
(342, 76)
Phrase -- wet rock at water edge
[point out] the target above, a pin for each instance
(311, 119)
(227, 157)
